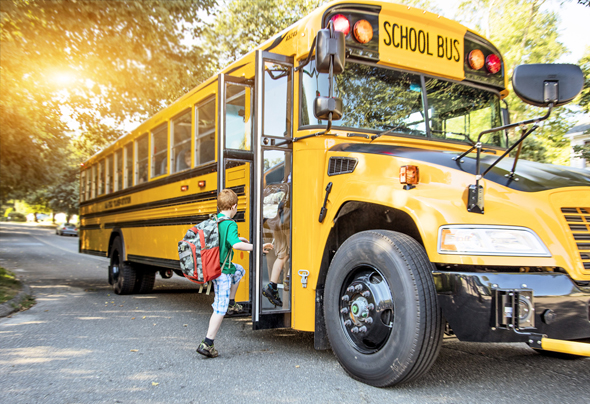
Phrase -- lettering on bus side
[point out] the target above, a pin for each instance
(417, 40)
(115, 203)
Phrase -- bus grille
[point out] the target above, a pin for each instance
(578, 220)
(341, 165)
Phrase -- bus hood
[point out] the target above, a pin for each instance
(529, 176)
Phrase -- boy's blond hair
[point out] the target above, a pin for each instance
(226, 199)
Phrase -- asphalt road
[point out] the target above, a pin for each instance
(83, 344)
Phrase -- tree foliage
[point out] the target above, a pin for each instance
(97, 62)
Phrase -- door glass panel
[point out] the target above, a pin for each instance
(277, 105)
(238, 117)
(276, 227)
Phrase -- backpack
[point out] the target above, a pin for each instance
(199, 251)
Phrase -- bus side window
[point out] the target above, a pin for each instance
(159, 151)
(101, 178)
(180, 133)
(128, 169)
(109, 175)
(94, 182)
(205, 132)
(141, 158)
(83, 186)
(119, 170)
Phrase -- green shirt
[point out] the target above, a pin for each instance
(228, 237)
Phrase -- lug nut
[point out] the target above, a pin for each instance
(366, 293)
(348, 323)
(354, 330)
(371, 306)
(344, 310)
(359, 287)
(345, 298)
(369, 320)
(350, 289)
(363, 329)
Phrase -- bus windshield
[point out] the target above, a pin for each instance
(380, 99)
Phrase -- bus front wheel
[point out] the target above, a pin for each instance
(381, 309)
(122, 276)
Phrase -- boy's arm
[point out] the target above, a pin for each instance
(237, 242)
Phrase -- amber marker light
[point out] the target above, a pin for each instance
(447, 235)
(363, 31)
(183, 188)
(409, 176)
(493, 63)
(341, 23)
(476, 59)
(202, 183)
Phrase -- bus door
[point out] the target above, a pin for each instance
(235, 159)
(272, 190)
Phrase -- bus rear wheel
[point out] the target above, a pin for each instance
(381, 308)
(122, 276)
(144, 281)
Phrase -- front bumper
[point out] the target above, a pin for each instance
(469, 302)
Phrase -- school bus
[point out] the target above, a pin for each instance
(382, 125)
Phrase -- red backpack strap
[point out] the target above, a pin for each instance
(201, 234)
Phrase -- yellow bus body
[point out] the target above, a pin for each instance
(434, 46)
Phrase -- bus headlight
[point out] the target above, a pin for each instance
(490, 240)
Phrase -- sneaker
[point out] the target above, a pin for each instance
(206, 350)
(272, 295)
(235, 309)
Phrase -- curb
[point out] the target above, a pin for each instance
(8, 307)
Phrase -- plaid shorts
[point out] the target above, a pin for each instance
(222, 287)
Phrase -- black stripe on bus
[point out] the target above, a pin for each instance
(158, 262)
(195, 172)
(173, 221)
(95, 252)
(90, 227)
(181, 200)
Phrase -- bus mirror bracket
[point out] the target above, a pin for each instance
(542, 85)
(329, 58)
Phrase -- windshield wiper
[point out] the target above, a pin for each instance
(387, 132)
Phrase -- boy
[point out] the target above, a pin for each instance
(226, 285)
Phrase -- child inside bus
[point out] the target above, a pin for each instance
(227, 284)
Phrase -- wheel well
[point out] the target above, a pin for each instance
(354, 217)
(114, 234)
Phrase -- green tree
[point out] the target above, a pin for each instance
(97, 62)
(525, 32)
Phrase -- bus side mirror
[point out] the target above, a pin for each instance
(323, 106)
(329, 58)
(328, 46)
(544, 84)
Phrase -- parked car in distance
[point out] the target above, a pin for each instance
(66, 229)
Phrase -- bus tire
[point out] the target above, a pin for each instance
(381, 308)
(121, 274)
(144, 281)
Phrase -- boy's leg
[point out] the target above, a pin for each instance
(235, 308)
(235, 280)
(221, 287)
